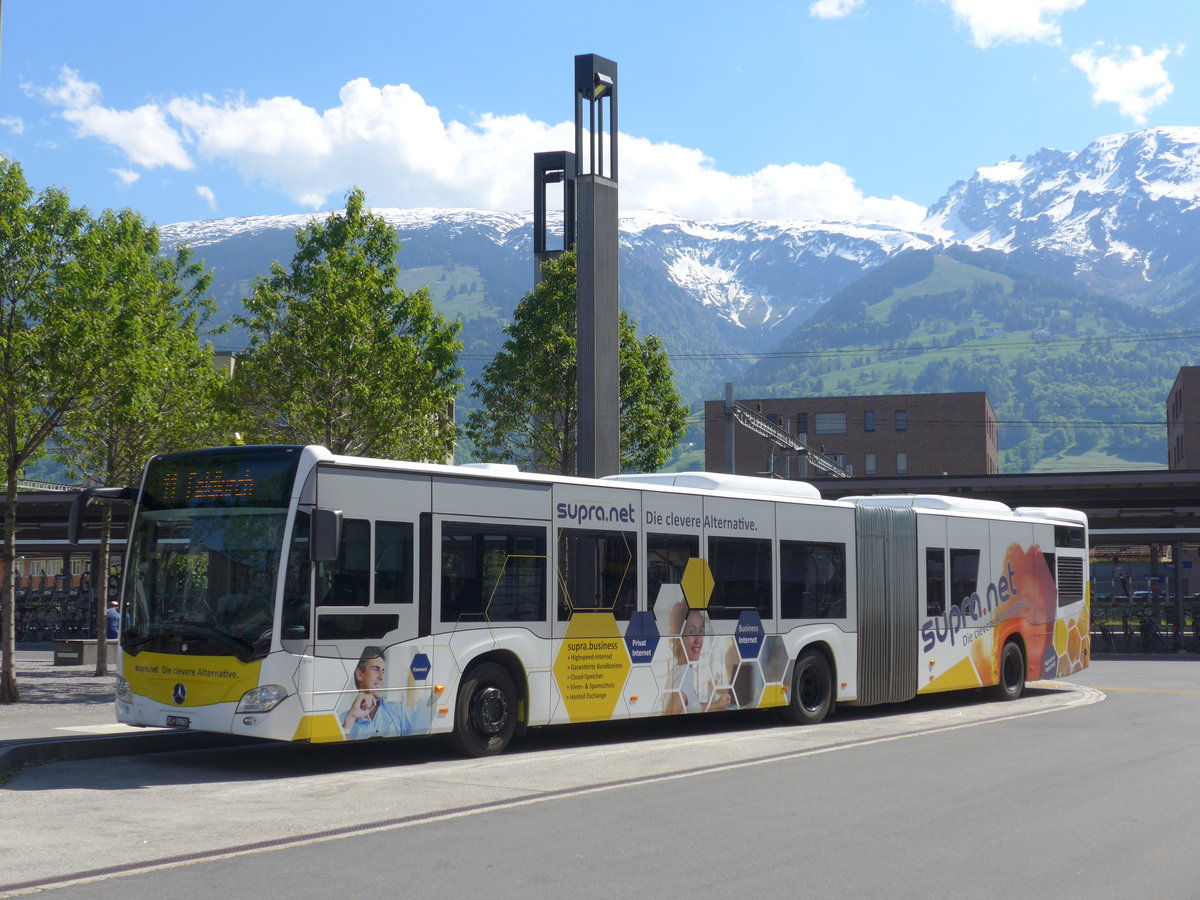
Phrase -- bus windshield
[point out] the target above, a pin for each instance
(205, 553)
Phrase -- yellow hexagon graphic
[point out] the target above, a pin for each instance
(697, 583)
(591, 666)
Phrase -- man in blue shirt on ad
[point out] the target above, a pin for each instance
(371, 715)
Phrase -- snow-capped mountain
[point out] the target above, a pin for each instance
(1123, 212)
(1118, 217)
(751, 274)
(762, 276)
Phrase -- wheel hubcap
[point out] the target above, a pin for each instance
(490, 710)
(810, 689)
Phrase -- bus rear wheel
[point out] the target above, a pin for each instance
(812, 689)
(1012, 673)
(485, 716)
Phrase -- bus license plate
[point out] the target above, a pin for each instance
(178, 721)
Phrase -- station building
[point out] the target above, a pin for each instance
(894, 435)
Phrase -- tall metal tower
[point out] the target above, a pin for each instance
(599, 447)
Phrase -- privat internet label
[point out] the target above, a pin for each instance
(641, 637)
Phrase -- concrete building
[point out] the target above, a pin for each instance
(1183, 420)
(906, 434)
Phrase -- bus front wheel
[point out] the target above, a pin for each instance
(485, 716)
(1012, 673)
(812, 689)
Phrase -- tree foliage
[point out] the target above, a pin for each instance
(163, 393)
(528, 393)
(340, 356)
(71, 292)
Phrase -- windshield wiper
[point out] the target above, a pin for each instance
(243, 649)
(131, 643)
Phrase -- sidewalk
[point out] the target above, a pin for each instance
(66, 712)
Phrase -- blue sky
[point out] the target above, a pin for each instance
(814, 109)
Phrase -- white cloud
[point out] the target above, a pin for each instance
(1019, 21)
(71, 91)
(1134, 80)
(15, 124)
(126, 176)
(833, 9)
(142, 134)
(206, 194)
(390, 142)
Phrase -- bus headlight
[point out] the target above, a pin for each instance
(124, 691)
(262, 699)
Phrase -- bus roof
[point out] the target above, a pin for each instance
(1073, 516)
(718, 481)
(934, 502)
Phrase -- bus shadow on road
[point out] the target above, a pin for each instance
(273, 761)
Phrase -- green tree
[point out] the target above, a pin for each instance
(63, 284)
(163, 394)
(528, 393)
(340, 356)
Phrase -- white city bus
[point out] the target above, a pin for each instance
(288, 593)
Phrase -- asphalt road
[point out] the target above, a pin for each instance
(1084, 791)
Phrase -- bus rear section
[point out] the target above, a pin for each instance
(996, 597)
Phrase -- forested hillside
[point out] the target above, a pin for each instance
(1069, 373)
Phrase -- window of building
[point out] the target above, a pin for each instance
(802, 423)
(869, 420)
(902, 420)
(812, 580)
(869, 464)
(831, 423)
(901, 463)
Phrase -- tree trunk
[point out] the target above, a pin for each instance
(102, 594)
(8, 599)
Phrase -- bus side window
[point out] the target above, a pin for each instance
(393, 562)
(297, 585)
(667, 556)
(347, 582)
(964, 575)
(935, 581)
(741, 572)
(597, 570)
(494, 573)
(812, 580)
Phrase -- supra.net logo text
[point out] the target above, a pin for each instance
(595, 512)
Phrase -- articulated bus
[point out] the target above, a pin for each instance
(292, 594)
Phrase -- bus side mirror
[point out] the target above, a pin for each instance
(326, 535)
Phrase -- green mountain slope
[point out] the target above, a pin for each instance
(1068, 372)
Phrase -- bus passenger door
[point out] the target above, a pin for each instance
(367, 600)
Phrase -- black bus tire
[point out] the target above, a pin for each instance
(811, 697)
(1012, 673)
(485, 716)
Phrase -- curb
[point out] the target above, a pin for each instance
(15, 754)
